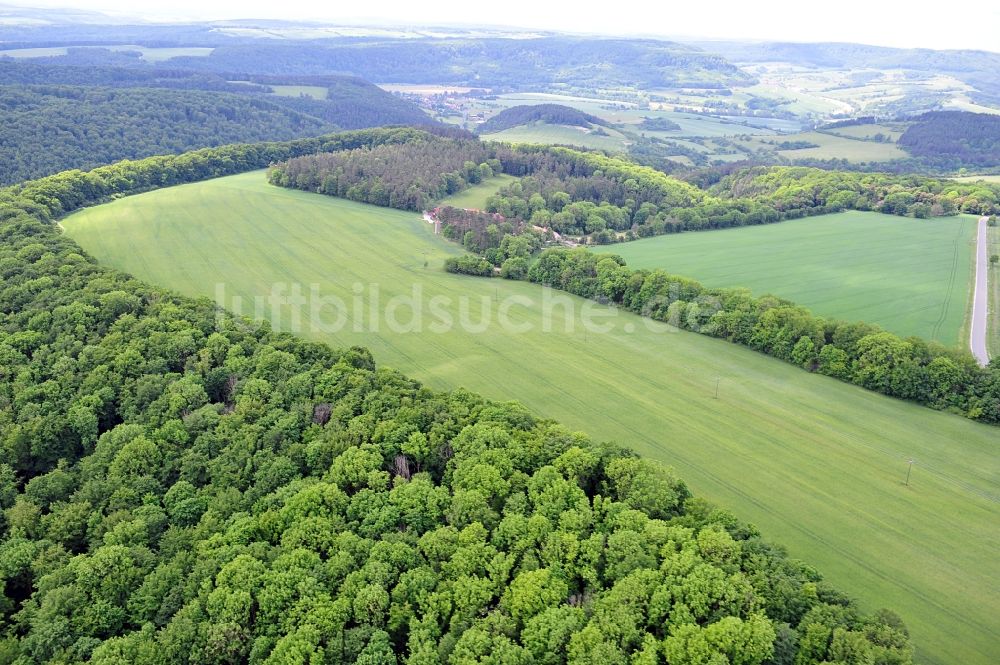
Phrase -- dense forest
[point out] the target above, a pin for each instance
(31, 72)
(44, 129)
(490, 62)
(407, 177)
(553, 114)
(609, 199)
(58, 117)
(180, 486)
(659, 125)
(351, 103)
(954, 139)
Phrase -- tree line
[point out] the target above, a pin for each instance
(954, 139)
(47, 129)
(407, 176)
(609, 199)
(181, 486)
(58, 117)
(860, 353)
(553, 114)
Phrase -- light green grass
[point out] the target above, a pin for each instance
(314, 91)
(910, 276)
(475, 196)
(868, 131)
(839, 147)
(817, 464)
(546, 134)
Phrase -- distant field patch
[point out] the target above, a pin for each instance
(314, 91)
(839, 147)
(42, 52)
(909, 276)
(543, 133)
(149, 54)
(863, 132)
(475, 196)
(424, 88)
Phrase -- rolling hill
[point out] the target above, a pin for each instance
(817, 463)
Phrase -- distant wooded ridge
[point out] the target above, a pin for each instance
(553, 114)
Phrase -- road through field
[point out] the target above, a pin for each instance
(977, 339)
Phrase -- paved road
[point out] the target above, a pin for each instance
(977, 340)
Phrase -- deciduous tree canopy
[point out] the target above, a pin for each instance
(180, 486)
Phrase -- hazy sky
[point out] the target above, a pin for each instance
(968, 24)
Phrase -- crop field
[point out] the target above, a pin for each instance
(627, 115)
(544, 133)
(839, 147)
(893, 131)
(475, 196)
(910, 276)
(314, 91)
(817, 464)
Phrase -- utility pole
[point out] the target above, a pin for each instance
(908, 469)
(718, 380)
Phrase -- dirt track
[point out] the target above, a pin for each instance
(977, 338)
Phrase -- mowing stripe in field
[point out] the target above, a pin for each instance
(817, 464)
(910, 276)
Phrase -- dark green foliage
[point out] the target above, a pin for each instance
(469, 264)
(49, 129)
(182, 487)
(553, 114)
(488, 62)
(407, 177)
(954, 139)
(113, 113)
(351, 103)
(659, 125)
(863, 354)
(795, 145)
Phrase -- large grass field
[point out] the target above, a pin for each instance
(475, 196)
(913, 277)
(817, 464)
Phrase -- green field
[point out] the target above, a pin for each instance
(314, 91)
(910, 276)
(475, 196)
(544, 133)
(817, 464)
(839, 147)
(829, 146)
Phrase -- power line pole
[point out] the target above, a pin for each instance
(718, 380)
(908, 469)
